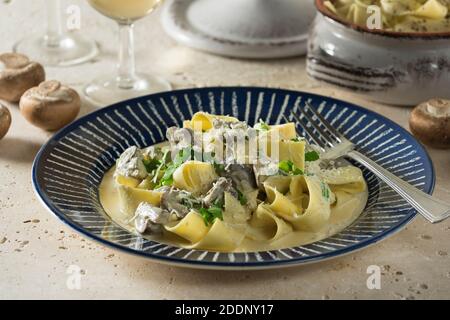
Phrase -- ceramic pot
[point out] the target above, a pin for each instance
(388, 67)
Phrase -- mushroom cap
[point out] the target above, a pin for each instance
(5, 120)
(17, 75)
(430, 123)
(50, 106)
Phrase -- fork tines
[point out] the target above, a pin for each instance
(317, 127)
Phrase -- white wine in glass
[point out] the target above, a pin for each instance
(129, 10)
(57, 47)
(126, 83)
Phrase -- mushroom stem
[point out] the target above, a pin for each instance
(439, 107)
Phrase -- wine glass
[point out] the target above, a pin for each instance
(57, 47)
(126, 83)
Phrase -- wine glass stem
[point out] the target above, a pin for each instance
(54, 23)
(126, 67)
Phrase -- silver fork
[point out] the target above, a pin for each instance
(329, 140)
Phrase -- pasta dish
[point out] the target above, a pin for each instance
(397, 15)
(219, 184)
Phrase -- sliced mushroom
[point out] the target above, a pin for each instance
(148, 217)
(5, 120)
(178, 202)
(17, 75)
(50, 106)
(242, 176)
(430, 123)
(180, 138)
(218, 190)
(130, 164)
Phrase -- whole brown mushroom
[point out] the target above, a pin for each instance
(17, 75)
(430, 123)
(5, 120)
(50, 106)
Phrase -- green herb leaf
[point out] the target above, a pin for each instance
(219, 203)
(183, 156)
(311, 156)
(167, 182)
(211, 214)
(220, 168)
(242, 198)
(263, 126)
(215, 211)
(325, 191)
(286, 166)
(205, 215)
(151, 164)
(180, 158)
(290, 168)
(168, 173)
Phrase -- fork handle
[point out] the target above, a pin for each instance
(432, 209)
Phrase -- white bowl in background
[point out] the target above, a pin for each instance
(260, 29)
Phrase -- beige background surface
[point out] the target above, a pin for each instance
(36, 249)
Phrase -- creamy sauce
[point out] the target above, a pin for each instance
(339, 220)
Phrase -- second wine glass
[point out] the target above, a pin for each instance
(126, 83)
(57, 47)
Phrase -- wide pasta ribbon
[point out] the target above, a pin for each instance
(349, 179)
(203, 121)
(130, 197)
(266, 226)
(290, 206)
(398, 15)
(221, 236)
(194, 176)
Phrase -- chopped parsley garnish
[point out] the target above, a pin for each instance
(263, 126)
(219, 203)
(212, 213)
(325, 191)
(151, 164)
(298, 139)
(160, 168)
(180, 158)
(311, 156)
(167, 182)
(219, 167)
(168, 173)
(285, 166)
(190, 201)
(289, 167)
(242, 198)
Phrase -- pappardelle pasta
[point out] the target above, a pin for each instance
(397, 15)
(182, 192)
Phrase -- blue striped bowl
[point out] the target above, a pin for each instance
(68, 169)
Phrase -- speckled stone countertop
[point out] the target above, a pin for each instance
(36, 249)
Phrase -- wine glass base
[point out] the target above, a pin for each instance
(71, 49)
(105, 91)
